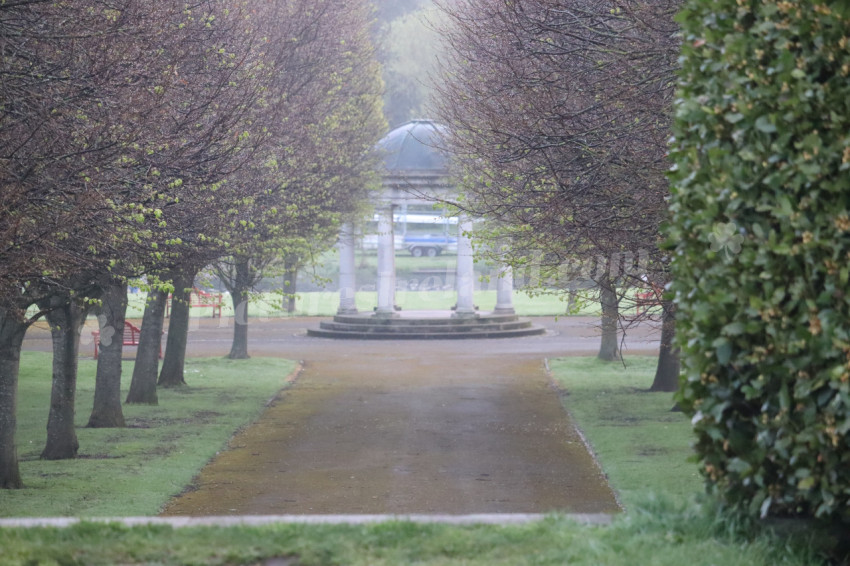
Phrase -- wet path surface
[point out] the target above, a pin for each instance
(469, 426)
(403, 434)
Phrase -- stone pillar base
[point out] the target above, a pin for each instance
(386, 314)
(465, 314)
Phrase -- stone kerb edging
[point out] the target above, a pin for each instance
(257, 520)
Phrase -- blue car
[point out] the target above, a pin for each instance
(429, 245)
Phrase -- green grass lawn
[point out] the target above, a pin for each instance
(640, 444)
(325, 303)
(643, 445)
(669, 539)
(135, 470)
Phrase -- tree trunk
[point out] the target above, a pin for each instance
(667, 371)
(239, 294)
(146, 368)
(171, 374)
(12, 330)
(106, 412)
(609, 349)
(290, 274)
(66, 316)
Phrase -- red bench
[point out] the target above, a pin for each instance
(646, 300)
(200, 299)
(130, 337)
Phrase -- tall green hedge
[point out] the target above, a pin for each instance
(760, 235)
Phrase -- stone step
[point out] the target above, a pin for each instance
(404, 320)
(381, 334)
(470, 326)
(426, 325)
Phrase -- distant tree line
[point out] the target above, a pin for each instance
(408, 49)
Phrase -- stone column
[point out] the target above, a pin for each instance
(347, 271)
(465, 270)
(386, 263)
(505, 291)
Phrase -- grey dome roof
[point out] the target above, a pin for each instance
(414, 147)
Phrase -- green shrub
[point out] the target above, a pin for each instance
(760, 235)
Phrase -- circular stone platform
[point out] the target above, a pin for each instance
(423, 325)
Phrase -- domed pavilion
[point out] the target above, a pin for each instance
(415, 172)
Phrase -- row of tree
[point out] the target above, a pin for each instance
(560, 113)
(154, 139)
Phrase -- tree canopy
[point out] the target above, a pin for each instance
(559, 114)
